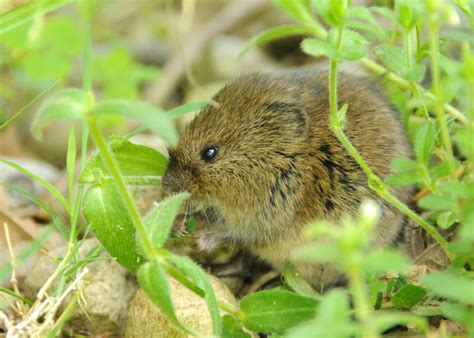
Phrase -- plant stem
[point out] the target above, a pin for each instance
(405, 84)
(115, 172)
(437, 91)
(361, 301)
(374, 182)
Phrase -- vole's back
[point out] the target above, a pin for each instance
(279, 166)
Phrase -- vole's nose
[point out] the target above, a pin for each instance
(170, 183)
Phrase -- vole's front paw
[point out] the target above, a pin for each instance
(210, 240)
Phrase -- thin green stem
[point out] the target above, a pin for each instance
(361, 299)
(374, 182)
(437, 91)
(115, 172)
(405, 84)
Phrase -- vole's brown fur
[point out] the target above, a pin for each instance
(279, 165)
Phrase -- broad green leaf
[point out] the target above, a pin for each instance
(276, 310)
(447, 284)
(299, 9)
(416, 72)
(403, 163)
(403, 178)
(460, 313)
(152, 117)
(297, 283)
(275, 33)
(332, 11)
(409, 296)
(159, 220)
(315, 47)
(108, 216)
(200, 278)
(153, 280)
(406, 17)
(385, 321)
(393, 57)
(353, 46)
(437, 202)
(385, 260)
(65, 104)
(446, 219)
(361, 18)
(332, 320)
(384, 12)
(134, 160)
(233, 329)
(186, 109)
(424, 141)
(48, 186)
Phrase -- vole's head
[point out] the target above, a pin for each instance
(233, 155)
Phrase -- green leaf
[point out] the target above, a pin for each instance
(316, 48)
(28, 12)
(446, 219)
(48, 186)
(437, 202)
(333, 11)
(276, 310)
(191, 269)
(297, 283)
(460, 313)
(233, 329)
(134, 160)
(385, 260)
(385, 321)
(447, 284)
(151, 116)
(108, 216)
(403, 178)
(159, 220)
(424, 141)
(409, 296)
(65, 104)
(353, 46)
(393, 57)
(332, 320)
(275, 33)
(299, 9)
(403, 163)
(153, 280)
(186, 109)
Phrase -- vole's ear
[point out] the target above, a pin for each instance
(290, 118)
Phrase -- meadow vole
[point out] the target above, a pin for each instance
(267, 162)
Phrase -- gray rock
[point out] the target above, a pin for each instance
(146, 320)
(108, 288)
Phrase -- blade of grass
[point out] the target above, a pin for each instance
(48, 186)
(16, 295)
(27, 12)
(29, 104)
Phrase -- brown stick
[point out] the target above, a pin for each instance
(161, 89)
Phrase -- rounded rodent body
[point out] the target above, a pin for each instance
(276, 165)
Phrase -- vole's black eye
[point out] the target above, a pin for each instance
(210, 153)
